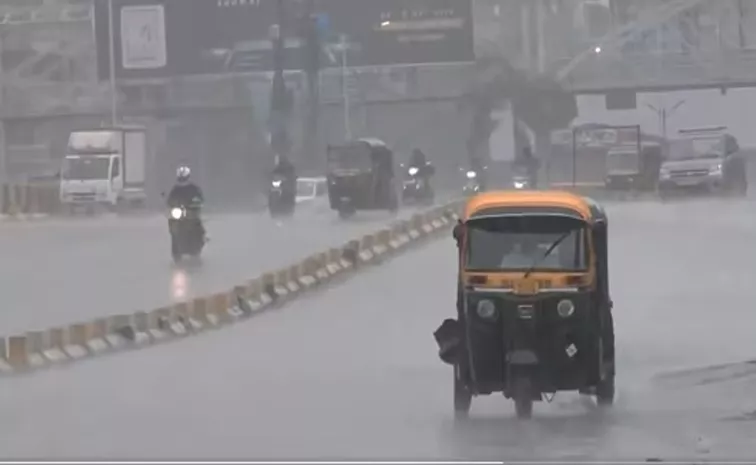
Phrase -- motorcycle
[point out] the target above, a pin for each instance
(187, 236)
(280, 202)
(472, 184)
(416, 188)
(521, 182)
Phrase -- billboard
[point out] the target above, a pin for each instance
(164, 38)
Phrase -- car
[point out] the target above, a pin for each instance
(705, 161)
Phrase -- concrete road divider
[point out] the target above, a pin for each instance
(38, 349)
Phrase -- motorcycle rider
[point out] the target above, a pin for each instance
(530, 164)
(420, 161)
(185, 193)
(479, 167)
(285, 169)
(425, 170)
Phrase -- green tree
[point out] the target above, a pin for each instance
(539, 101)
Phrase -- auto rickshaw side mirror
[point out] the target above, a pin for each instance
(459, 232)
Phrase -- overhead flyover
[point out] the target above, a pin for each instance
(604, 67)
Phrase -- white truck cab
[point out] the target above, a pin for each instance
(104, 167)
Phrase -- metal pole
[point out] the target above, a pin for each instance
(312, 69)
(345, 90)
(664, 122)
(639, 146)
(279, 108)
(3, 145)
(541, 28)
(574, 157)
(111, 46)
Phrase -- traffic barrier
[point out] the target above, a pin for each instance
(37, 349)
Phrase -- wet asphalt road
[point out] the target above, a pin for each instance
(62, 271)
(352, 372)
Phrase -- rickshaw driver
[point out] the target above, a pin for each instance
(525, 252)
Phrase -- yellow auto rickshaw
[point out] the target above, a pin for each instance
(534, 315)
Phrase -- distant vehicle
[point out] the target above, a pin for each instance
(280, 201)
(185, 226)
(105, 166)
(312, 192)
(361, 177)
(415, 187)
(707, 159)
(631, 169)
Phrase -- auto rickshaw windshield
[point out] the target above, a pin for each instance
(518, 243)
(351, 157)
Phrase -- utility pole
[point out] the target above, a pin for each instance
(3, 145)
(312, 38)
(345, 89)
(111, 47)
(279, 96)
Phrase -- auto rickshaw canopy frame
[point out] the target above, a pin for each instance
(558, 203)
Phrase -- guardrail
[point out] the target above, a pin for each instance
(22, 353)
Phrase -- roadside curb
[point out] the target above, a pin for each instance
(35, 350)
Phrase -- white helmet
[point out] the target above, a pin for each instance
(183, 173)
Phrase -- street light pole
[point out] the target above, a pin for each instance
(111, 47)
(278, 99)
(311, 30)
(345, 90)
(663, 113)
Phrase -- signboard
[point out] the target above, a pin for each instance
(143, 37)
(164, 38)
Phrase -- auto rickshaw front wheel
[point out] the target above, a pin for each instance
(522, 394)
(462, 395)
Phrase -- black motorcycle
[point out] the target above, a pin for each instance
(281, 202)
(416, 188)
(187, 233)
(522, 182)
(472, 182)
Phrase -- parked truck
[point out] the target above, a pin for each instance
(105, 167)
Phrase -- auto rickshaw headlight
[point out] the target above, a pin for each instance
(565, 308)
(471, 174)
(486, 310)
(413, 171)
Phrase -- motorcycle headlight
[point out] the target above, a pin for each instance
(413, 171)
(519, 185)
(177, 213)
(471, 175)
(486, 310)
(276, 183)
(565, 308)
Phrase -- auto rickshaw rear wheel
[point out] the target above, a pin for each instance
(462, 395)
(346, 213)
(605, 391)
(522, 394)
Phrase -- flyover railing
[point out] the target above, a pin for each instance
(664, 70)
